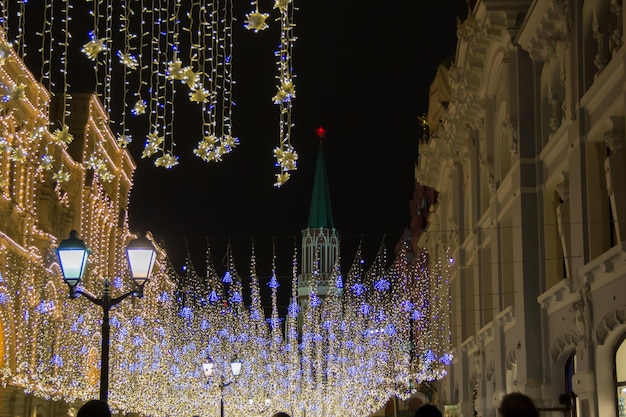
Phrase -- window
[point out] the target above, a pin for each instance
(620, 376)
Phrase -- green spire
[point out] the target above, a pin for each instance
(320, 214)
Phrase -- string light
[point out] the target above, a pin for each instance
(357, 334)
(208, 75)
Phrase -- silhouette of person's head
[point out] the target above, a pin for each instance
(517, 404)
(428, 410)
(281, 414)
(94, 408)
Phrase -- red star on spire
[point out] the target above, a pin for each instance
(320, 132)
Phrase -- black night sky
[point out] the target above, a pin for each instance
(362, 72)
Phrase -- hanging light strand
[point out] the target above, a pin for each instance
(285, 154)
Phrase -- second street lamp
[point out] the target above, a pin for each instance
(235, 369)
(72, 253)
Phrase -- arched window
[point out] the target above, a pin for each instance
(620, 377)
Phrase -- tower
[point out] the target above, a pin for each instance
(320, 240)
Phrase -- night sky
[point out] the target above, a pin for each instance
(363, 74)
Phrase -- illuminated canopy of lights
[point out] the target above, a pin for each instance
(149, 54)
(375, 334)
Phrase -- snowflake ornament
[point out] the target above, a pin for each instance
(128, 60)
(94, 47)
(256, 21)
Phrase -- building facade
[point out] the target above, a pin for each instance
(52, 181)
(526, 152)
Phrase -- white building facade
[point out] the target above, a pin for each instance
(527, 152)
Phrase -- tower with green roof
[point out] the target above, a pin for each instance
(320, 240)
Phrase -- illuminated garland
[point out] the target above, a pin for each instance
(155, 57)
(358, 336)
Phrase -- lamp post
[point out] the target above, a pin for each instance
(235, 369)
(73, 253)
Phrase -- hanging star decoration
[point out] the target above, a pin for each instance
(104, 174)
(191, 78)
(18, 154)
(5, 52)
(94, 47)
(153, 141)
(256, 21)
(61, 176)
(281, 4)
(166, 161)
(139, 108)
(199, 96)
(124, 140)
(93, 162)
(46, 162)
(62, 136)
(286, 158)
(175, 71)
(286, 91)
(128, 60)
(206, 147)
(281, 179)
(17, 92)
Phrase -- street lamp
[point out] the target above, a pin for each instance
(235, 369)
(73, 253)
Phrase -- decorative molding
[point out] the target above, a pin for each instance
(610, 322)
(614, 137)
(564, 342)
(562, 188)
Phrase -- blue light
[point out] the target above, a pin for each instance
(273, 284)
(293, 309)
(315, 300)
(339, 282)
(358, 289)
(407, 305)
(117, 282)
(57, 360)
(382, 285)
(228, 278)
(204, 325)
(186, 312)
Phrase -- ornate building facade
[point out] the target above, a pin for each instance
(49, 185)
(526, 152)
